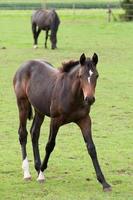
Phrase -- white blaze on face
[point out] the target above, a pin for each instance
(90, 74)
(25, 167)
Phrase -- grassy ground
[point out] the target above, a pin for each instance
(70, 174)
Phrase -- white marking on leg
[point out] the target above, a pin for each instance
(35, 46)
(41, 177)
(25, 167)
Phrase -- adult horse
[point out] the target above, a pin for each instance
(65, 95)
(45, 20)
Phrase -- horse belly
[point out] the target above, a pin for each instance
(39, 99)
(43, 24)
(42, 106)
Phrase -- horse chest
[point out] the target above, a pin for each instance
(78, 113)
(69, 113)
(67, 106)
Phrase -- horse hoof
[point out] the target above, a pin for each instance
(41, 177)
(27, 178)
(35, 47)
(40, 181)
(107, 189)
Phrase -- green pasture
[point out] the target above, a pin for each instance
(70, 175)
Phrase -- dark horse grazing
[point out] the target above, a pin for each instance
(45, 20)
(65, 95)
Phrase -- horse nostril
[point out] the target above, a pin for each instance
(86, 99)
(90, 100)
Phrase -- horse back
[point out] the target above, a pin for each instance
(44, 18)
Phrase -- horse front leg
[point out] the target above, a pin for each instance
(54, 127)
(35, 133)
(85, 126)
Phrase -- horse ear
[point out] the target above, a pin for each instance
(95, 58)
(82, 59)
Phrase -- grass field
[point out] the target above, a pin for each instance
(70, 175)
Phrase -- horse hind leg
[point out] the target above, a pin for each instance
(35, 133)
(24, 113)
(46, 38)
(34, 32)
(54, 127)
(37, 34)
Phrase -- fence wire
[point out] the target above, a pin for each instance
(58, 4)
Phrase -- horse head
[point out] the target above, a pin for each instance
(88, 75)
(54, 28)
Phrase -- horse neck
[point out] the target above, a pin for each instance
(75, 84)
(55, 24)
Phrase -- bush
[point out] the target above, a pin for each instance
(127, 5)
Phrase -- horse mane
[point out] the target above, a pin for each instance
(68, 66)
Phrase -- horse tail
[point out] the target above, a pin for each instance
(30, 112)
(33, 28)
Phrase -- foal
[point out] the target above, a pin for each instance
(65, 95)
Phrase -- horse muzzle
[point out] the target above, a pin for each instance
(89, 100)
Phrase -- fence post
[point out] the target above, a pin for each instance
(73, 9)
(109, 13)
(44, 4)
